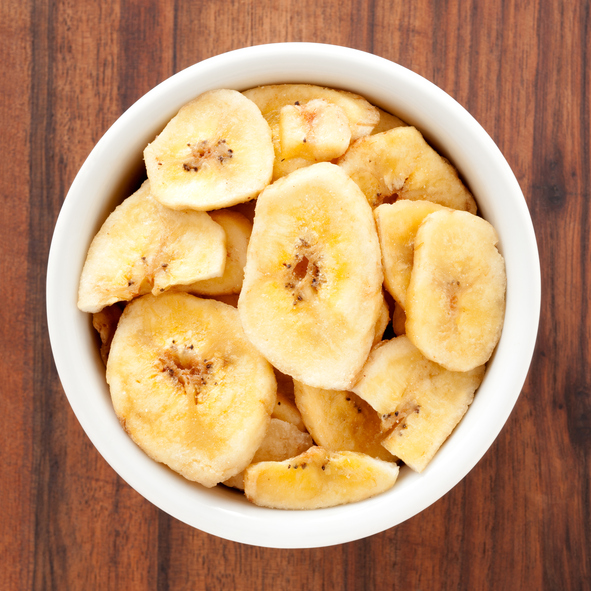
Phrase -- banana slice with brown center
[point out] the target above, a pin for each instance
(312, 288)
(399, 164)
(188, 386)
(419, 401)
(216, 152)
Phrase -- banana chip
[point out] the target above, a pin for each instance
(312, 292)
(318, 478)
(188, 387)
(216, 152)
(456, 295)
(145, 247)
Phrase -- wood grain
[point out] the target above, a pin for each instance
(16, 464)
(521, 519)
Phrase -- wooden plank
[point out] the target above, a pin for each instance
(91, 529)
(16, 418)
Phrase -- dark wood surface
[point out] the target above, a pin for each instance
(520, 519)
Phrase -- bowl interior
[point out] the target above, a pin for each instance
(94, 194)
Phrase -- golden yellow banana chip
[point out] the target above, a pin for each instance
(188, 387)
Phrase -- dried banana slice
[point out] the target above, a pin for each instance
(105, 323)
(399, 164)
(282, 441)
(188, 387)
(420, 402)
(216, 152)
(392, 367)
(286, 410)
(397, 226)
(428, 418)
(312, 287)
(237, 229)
(318, 131)
(455, 302)
(387, 121)
(145, 247)
(318, 478)
(341, 421)
(304, 115)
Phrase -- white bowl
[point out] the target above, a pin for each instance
(114, 167)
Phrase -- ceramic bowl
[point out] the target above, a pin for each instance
(114, 168)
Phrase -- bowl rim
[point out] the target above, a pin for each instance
(449, 126)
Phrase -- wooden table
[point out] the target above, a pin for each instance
(521, 519)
